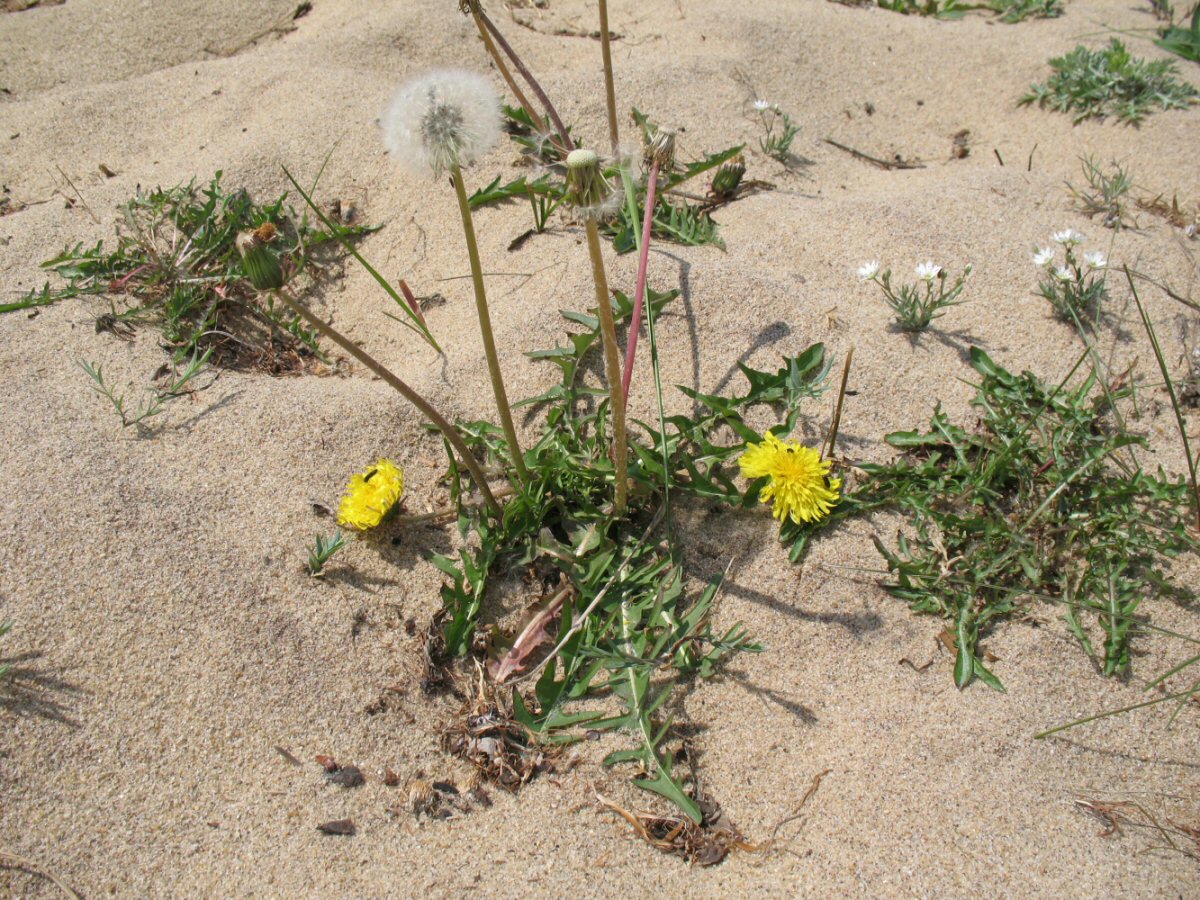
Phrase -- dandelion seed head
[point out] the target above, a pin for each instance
(799, 487)
(443, 118)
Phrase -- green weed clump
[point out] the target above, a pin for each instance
(1104, 192)
(1111, 82)
(1043, 499)
(938, 9)
(175, 267)
(1183, 41)
(778, 130)
(1014, 11)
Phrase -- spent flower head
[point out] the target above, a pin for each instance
(588, 191)
(661, 149)
(1068, 237)
(372, 496)
(444, 118)
(799, 486)
(1044, 256)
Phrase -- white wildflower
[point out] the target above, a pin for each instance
(1062, 273)
(927, 271)
(762, 105)
(1095, 259)
(441, 119)
(1068, 237)
(1044, 256)
(868, 270)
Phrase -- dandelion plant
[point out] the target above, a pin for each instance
(438, 123)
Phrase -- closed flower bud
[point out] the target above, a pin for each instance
(259, 262)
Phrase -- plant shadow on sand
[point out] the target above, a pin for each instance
(33, 690)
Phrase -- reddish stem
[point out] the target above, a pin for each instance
(567, 144)
(635, 321)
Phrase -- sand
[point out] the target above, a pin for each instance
(157, 582)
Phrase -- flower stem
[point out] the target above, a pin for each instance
(612, 364)
(609, 93)
(635, 321)
(837, 412)
(567, 144)
(485, 327)
(490, 46)
(448, 431)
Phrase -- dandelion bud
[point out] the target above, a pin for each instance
(587, 188)
(661, 150)
(445, 118)
(259, 262)
(728, 178)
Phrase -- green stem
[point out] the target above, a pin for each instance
(612, 365)
(609, 93)
(448, 431)
(485, 326)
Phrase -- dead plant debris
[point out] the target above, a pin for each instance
(1117, 815)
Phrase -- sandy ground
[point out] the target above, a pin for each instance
(157, 583)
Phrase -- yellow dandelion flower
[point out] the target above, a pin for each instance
(800, 485)
(372, 496)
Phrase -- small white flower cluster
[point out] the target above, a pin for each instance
(1069, 238)
(926, 271)
(1075, 287)
(765, 105)
(919, 303)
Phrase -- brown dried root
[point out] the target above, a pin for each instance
(705, 844)
(1117, 813)
(20, 862)
(502, 750)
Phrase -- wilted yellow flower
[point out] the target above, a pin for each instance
(371, 496)
(800, 485)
